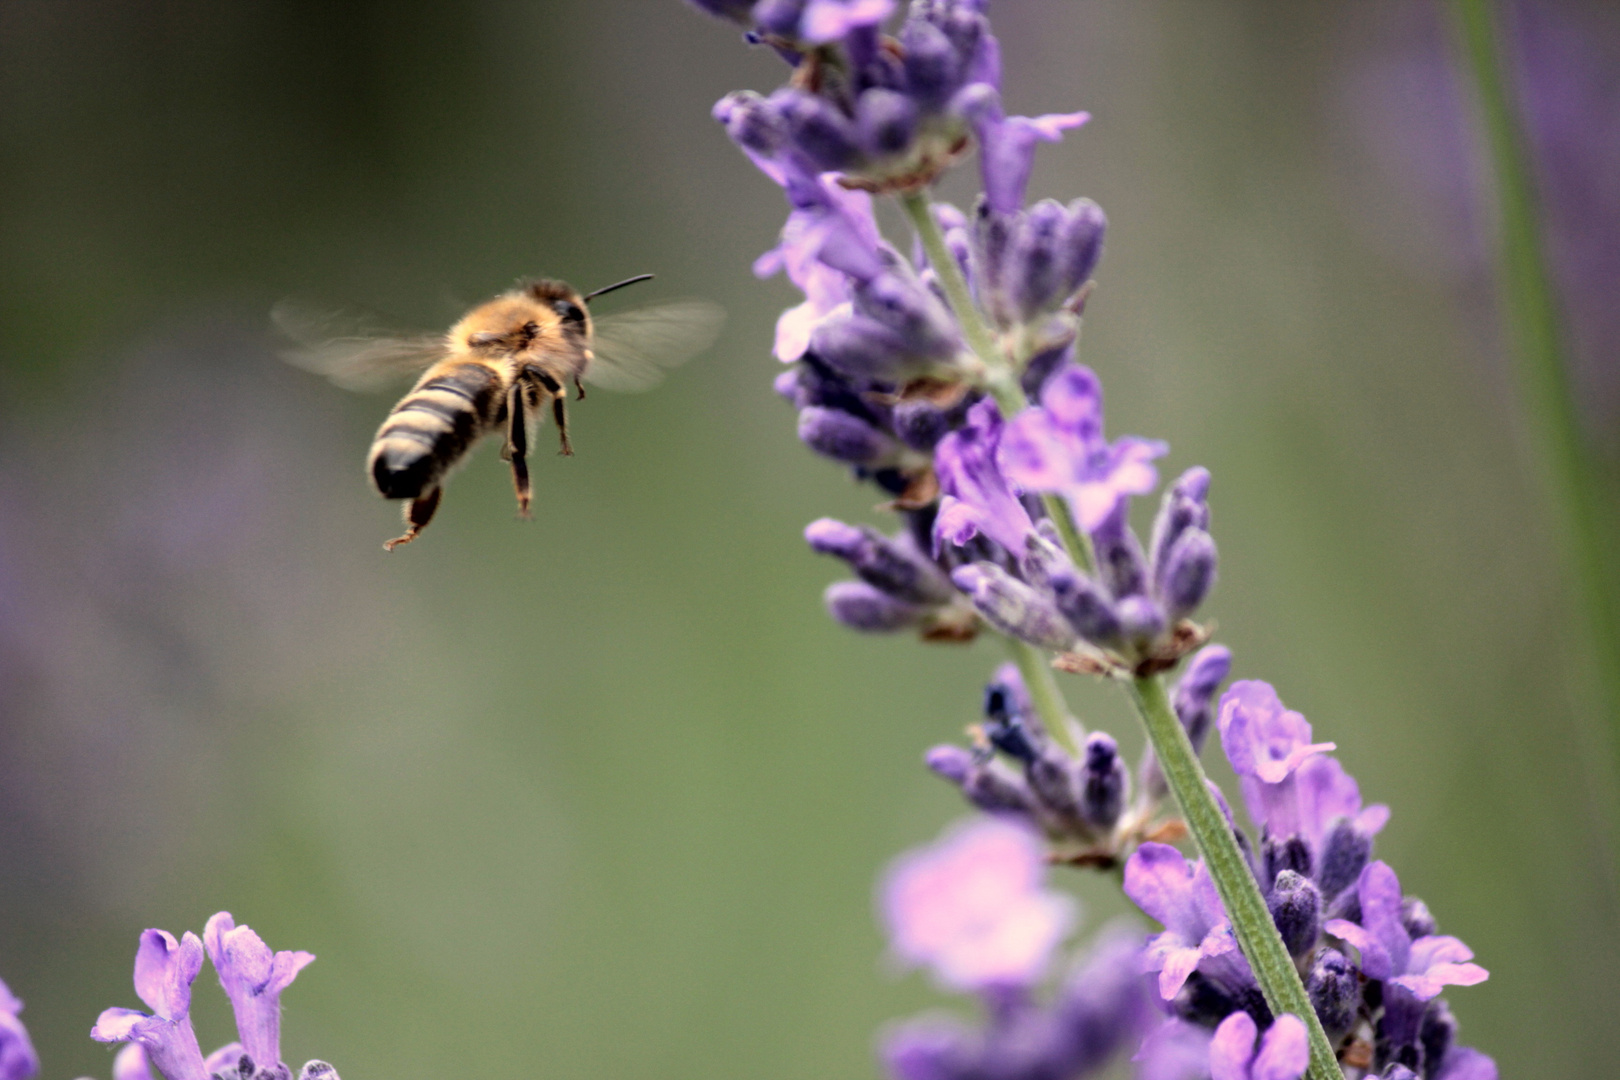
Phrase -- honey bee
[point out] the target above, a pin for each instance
(494, 371)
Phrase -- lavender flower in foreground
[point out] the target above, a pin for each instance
(17, 1058)
(253, 978)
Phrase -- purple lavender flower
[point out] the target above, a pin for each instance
(971, 908)
(133, 1064)
(1197, 933)
(18, 1061)
(1059, 447)
(164, 971)
(1388, 952)
(253, 978)
(1007, 143)
(977, 498)
(1282, 1054)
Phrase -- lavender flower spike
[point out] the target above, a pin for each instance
(1282, 1054)
(253, 978)
(164, 971)
(18, 1061)
(1059, 448)
(972, 908)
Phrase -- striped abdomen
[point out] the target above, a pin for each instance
(433, 426)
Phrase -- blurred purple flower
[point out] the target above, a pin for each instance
(1388, 951)
(1059, 447)
(1283, 1053)
(971, 907)
(18, 1061)
(1007, 143)
(1266, 744)
(977, 498)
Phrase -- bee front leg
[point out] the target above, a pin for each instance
(580, 387)
(418, 512)
(559, 410)
(516, 450)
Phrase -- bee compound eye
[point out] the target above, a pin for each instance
(570, 311)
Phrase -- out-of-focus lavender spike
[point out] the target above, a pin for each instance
(1188, 573)
(1037, 260)
(1013, 607)
(18, 1060)
(861, 607)
(885, 121)
(1140, 619)
(1195, 691)
(917, 315)
(1105, 785)
(1296, 908)
(847, 438)
(1185, 505)
(934, 1048)
(816, 129)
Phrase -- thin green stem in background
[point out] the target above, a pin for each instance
(1584, 521)
(1240, 893)
(1251, 920)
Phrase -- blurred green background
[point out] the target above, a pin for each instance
(605, 794)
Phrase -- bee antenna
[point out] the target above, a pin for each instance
(617, 285)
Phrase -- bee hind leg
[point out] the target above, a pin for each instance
(418, 512)
(516, 451)
(580, 387)
(559, 410)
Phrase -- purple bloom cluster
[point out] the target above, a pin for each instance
(1374, 962)
(252, 977)
(1082, 802)
(17, 1058)
(972, 908)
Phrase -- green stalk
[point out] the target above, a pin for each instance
(1251, 920)
(1530, 318)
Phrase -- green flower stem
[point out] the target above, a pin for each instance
(1000, 379)
(1043, 691)
(1530, 317)
(1251, 919)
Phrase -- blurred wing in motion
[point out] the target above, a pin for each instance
(349, 351)
(632, 350)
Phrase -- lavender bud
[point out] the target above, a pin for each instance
(1183, 507)
(1013, 607)
(861, 607)
(1195, 692)
(752, 122)
(1088, 610)
(1438, 1032)
(819, 130)
(1082, 242)
(1416, 918)
(1345, 851)
(1188, 573)
(1042, 365)
(1335, 991)
(787, 385)
(920, 425)
(1051, 777)
(911, 311)
(1104, 782)
(880, 561)
(1281, 856)
(932, 68)
(1035, 263)
(317, 1070)
(885, 121)
(1296, 908)
(1140, 618)
(991, 789)
(861, 347)
(843, 437)
(1120, 564)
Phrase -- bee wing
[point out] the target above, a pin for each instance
(350, 351)
(632, 350)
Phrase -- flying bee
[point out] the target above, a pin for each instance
(496, 370)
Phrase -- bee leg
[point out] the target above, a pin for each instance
(580, 387)
(516, 450)
(418, 512)
(559, 409)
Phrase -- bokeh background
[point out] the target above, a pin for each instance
(605, 794)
